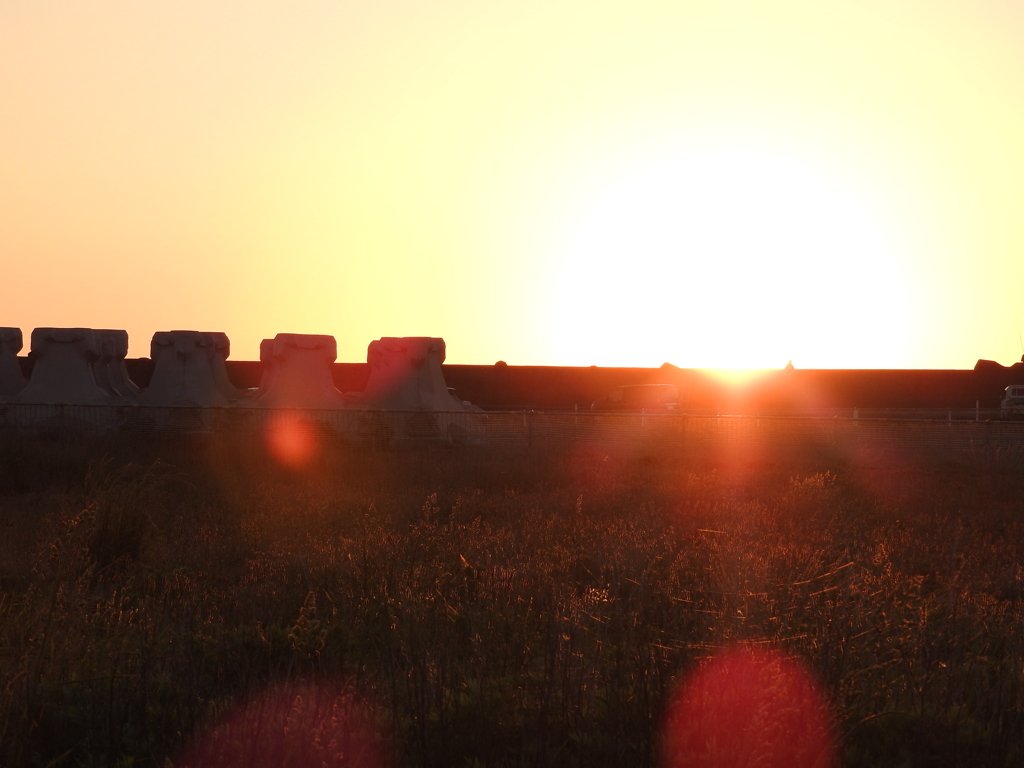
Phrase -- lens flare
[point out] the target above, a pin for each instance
(748, 709)
(305, 727)
(291, 440)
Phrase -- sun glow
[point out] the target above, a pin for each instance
(730, 255)
(737, 377)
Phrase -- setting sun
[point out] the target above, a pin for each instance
(731, 254)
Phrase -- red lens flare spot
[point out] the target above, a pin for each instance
(748, 709)
(292, 441)
(306, 728)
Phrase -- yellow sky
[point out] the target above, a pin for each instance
(707, 183)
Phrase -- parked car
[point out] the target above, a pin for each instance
(639, 397)
(1012, 405)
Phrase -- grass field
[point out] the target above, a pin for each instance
(189, 602)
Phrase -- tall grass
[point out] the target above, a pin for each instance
(481, 608)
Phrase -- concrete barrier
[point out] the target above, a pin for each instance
(63, 371)
(12, 380)
(182, 371)
(219, 351)
(109, 369)
(406, 375)
(117, 371)
(297, 372)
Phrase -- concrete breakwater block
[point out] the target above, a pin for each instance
(183, 371)
(268, 365)
(297, 372)
(64, 368)
(219, 351)
(12, 381)
(406, 375)
(109, 368)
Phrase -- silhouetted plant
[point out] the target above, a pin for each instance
(496, 607)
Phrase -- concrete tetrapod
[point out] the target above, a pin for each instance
(220, 350)
(111, 375)
(12, 380)
(182, 373)
(297, 372)
(104, 356)
(406, 375)
(63, 370)
(268, 365)
(117, 373)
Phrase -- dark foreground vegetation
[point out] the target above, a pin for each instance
(165, 604)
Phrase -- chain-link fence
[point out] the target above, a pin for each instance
(855, 433)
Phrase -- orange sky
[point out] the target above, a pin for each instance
(726, 184)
